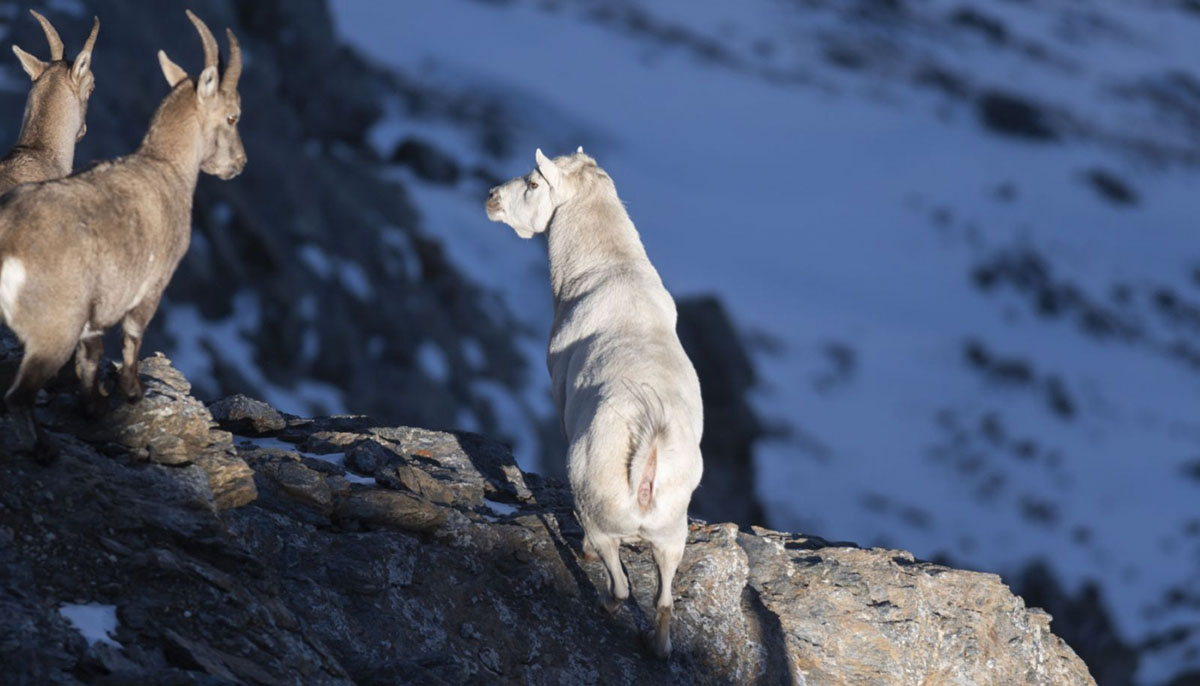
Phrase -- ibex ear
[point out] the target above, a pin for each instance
(206, 85)
(81, 66)
(548, 168)
(83, 61)
(32, 65)
(171, 71)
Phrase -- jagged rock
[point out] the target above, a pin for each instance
(1082, 620)
(168, 427)
(322, 580)
(392, 509)
(727, 490)
(230, 479)
(246, 416)
(427, 161)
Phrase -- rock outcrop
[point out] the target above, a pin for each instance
(336, 551)
(728, 489)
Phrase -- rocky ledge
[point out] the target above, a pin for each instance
(232, 544)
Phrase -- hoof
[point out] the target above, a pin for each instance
(93, 406)
(25, 434)
(662, 633)
(131, 389)
(662, 647)
(612, 604)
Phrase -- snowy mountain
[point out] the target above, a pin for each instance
(955, 237)
(956, 233)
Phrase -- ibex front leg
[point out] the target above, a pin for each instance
(133, 326)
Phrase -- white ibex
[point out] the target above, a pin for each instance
(628, 395)
(80, 254)
(54, 112)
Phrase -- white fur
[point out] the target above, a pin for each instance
(621, 380)
(12, 278)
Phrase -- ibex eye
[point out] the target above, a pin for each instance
(232, 119)
(533, 184)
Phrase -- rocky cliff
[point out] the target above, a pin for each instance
(234, 544)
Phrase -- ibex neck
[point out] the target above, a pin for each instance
(587, 236)
(174, 137)
(47, 137)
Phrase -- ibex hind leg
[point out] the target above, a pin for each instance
(667, 555)
(41, 362)
(609, 550)
(133, 327)
(87, 363)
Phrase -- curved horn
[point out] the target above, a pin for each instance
(56, 44)
(233, 71)
(206, 37)
(91, 40)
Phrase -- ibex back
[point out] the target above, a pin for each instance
(55, 111)
(80, 254)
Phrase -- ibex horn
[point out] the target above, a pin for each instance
(206, 37)
(56, 44)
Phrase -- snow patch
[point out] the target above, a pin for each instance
(229, 338)
(503, 509)
(338, 459)
(433, 362)
(473, 353)
(97, 623)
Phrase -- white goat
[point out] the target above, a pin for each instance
(628, 395)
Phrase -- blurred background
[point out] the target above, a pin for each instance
(935, 260)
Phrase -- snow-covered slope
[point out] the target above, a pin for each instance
(961, 234)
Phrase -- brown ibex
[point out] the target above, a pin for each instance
(83, 253)
(54, 111)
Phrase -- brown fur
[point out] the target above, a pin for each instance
(55, 112)
(98, 248)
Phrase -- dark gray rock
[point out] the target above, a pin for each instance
(167, 427)
(727, 490)
(1010, 114)
(246, 416)
(1082, 620)
(323, 580)
(427, 161)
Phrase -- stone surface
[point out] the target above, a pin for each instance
(246, 416)
(452, 567)
(727, 490)
(168, 426)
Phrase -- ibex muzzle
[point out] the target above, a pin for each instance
(81, 254)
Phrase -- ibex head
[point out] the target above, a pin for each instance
(61, 89)
(218, 105)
